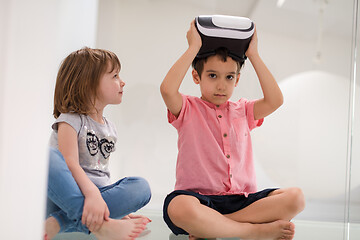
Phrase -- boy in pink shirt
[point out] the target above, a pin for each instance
(215, 192)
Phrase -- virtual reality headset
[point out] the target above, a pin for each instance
(216, 31)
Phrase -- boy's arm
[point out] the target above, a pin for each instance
(273, 97)
(170, 86)
(95, 209)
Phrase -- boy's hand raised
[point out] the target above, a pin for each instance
(253, 46)
(170, 86)
(193, 37)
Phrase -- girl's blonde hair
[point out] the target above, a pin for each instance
(78, 79)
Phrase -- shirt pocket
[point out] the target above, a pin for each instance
(241, 128)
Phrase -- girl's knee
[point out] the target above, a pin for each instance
(142, 188)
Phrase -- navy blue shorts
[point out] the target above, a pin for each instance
(224, 204)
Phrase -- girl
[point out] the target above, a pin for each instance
(80, 196)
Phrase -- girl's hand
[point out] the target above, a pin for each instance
(193, 37)
(253, 46)
(95, 212)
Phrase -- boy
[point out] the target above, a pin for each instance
(215, 192)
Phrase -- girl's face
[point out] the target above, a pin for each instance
(110, 89)
(218, 79)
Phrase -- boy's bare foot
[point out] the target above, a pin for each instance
(278, 230)
(52, 228)
(191, 237)
(121, 229)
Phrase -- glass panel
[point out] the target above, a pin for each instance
(354, 186)
(307, 46)
(305, 142)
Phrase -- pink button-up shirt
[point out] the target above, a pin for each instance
(215, 154)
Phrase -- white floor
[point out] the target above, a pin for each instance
(305, 230)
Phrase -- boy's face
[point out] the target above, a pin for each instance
(218, 79)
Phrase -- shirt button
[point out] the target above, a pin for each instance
(227, 156)
(219, 116)
(225, 135)
(230, 175)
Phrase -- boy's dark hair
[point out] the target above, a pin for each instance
(223, 53)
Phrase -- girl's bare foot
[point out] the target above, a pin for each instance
(134, 216)
(278, 230)
(52, 228)
(121, 229)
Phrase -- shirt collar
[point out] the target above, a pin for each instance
(215, 106)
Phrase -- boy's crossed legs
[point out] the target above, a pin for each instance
(267, 218)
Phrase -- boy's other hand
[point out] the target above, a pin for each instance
(253, 46)
(193, 36)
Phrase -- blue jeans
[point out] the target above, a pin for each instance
(65, 200)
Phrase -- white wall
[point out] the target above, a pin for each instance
(148, 36)
(35, 36)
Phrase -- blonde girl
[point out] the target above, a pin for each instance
(81, 197)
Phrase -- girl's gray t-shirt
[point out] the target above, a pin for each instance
(96, 141)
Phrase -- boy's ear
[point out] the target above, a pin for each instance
(196, 77)
(237, 79)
